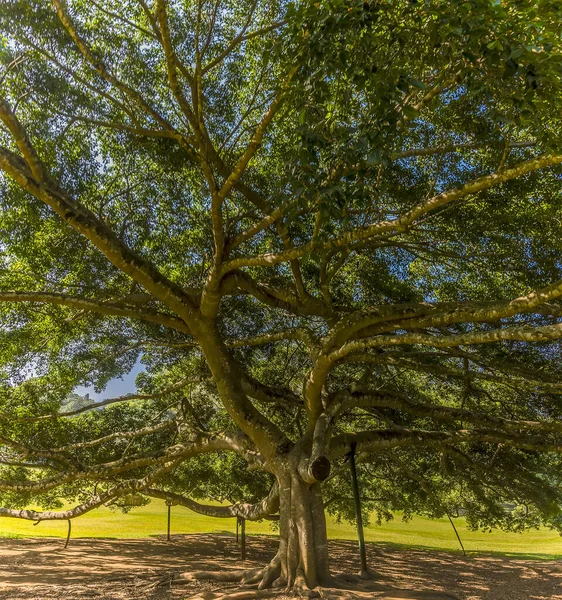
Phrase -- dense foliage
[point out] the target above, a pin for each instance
(319, 225)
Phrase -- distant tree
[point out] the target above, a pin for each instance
(76, 402)
(322, 225)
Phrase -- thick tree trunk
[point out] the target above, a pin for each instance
(302, 560)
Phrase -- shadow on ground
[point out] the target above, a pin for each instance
(123, 569)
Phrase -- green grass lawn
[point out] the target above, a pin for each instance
(150, 520)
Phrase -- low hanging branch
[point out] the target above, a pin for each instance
(265, 509)
(108, 470)
(95, 502)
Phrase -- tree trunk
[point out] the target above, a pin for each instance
(302, 559)
(301, 562)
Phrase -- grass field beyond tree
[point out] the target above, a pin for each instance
(151, 520)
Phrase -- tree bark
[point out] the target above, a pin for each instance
(301, 563)
(302, 559)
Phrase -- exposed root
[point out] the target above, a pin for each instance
(343, 581)
(269, 579)
(252, 577)
(301, 588)
(242, 595)
(243, 576)
(350, 587)
(160, 581)
(354, 587)
(271, 573)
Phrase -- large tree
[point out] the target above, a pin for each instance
(324, 226)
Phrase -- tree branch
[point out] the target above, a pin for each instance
(456, 148)
(252, 512)
(240, 38)
(85, 222)
(105, 471)
(383, 440)
(127, 398)
(110, 308)
(376, 320)
(100, 68)
(398, 225)
(397, 401)
(546, 333)
(95, 502)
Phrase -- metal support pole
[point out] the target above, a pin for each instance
(68, 534)
(243, 538)
(357, 501)
(169, 518)
(237, 527)
(457, 534)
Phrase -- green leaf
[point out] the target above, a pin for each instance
(410, 111)
(417, 83)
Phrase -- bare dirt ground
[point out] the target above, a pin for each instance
(41, 569)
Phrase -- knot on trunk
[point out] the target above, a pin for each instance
(315, 470)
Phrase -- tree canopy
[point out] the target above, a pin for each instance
(322, 226)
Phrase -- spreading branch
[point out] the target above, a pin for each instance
(265, 509)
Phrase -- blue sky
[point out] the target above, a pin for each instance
(116, 387)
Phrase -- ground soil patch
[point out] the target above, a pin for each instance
(108, 569)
